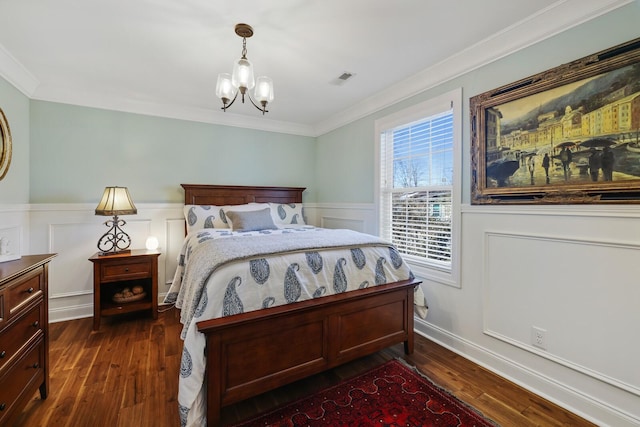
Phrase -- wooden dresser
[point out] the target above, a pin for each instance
(24, 333)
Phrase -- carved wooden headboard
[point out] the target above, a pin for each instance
(220, 195)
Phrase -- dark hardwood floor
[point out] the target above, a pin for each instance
(126, 374)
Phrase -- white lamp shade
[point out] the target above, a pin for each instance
(116, 201)
(224, 87)
(264, 89)
(243, 74)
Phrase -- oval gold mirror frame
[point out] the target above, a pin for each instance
(5, 145)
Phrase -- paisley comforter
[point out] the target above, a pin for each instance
(221, 273)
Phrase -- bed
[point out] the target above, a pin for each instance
(247, 352)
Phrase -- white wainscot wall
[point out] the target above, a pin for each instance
(354, 216)
(72, 231)
(572, 271)
(14, 226)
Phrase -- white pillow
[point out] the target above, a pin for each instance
(211, 216)
(287, 213)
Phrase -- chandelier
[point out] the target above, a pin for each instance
(242, 79)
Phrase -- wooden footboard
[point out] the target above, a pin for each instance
(250, 353)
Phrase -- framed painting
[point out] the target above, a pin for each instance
(5, 145)
(567, 135)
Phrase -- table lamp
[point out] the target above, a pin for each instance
(115, 201)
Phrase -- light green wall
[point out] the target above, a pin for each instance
(346, 168)
(14, 187)
(77, 151)
(345, 160)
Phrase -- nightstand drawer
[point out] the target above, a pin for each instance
(23, 290)
(28, 368)
(20, 333)
(125, 270)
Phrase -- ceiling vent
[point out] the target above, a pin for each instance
(342, 78)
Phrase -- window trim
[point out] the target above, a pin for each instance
(432, 106)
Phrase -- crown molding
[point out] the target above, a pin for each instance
(560, 16)
(16, 73)
(179, 112)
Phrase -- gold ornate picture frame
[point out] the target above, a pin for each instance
(5, 145)
(567, 135)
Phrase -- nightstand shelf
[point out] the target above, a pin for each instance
(114, 273)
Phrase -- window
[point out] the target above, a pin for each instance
(418, 180)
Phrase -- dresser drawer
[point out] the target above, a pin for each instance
(23, 290)
(19, 333)
(28, 370)
(115, 271)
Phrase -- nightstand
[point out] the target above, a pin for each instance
(114, 273)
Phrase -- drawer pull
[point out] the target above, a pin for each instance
(3, 354)
(35, 366)
(36, 324)
(30, 291)
(126, 269)
(2, 406)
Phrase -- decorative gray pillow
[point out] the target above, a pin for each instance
(251, 220)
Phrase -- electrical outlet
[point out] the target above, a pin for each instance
(539, 337)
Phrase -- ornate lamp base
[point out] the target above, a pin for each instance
(115, 240)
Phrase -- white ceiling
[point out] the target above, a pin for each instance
(162, 57)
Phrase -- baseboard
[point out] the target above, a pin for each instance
(70, 313)
(82, 311)
(536, 382)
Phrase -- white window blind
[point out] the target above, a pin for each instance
(416, 170)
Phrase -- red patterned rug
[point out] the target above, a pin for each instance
(392, 394)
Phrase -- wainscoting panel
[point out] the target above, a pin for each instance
(72, 231)
(351, 224)
(358, 217)
(175, 232)
(15, 219)
(68, 276)
(567, 288)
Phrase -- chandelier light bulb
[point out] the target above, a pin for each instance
(264, 90)
(242, 76)
(224, 88)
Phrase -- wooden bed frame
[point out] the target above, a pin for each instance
(251, 353)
